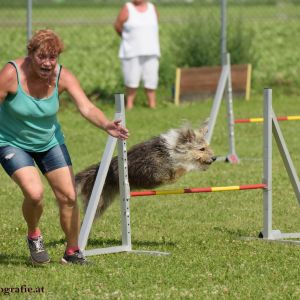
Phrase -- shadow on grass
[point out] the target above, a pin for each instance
(237, 233)
(115, 242)
(100, 242)
(11, 259)
(55, 243)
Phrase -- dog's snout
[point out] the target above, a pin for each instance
(210, 160)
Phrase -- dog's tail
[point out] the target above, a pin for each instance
(85, 180)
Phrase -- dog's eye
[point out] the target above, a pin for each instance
(202, 149)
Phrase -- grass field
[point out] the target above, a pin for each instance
(203, 232)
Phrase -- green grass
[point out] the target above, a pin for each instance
(203, 232)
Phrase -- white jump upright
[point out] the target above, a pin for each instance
(124, 193)
(98, 187)
(225, 80)
(271, 127)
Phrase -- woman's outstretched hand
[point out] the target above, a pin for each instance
(115, 129)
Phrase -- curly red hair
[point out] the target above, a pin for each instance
(47, 41)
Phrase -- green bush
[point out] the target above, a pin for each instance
(240, 43)
(198, 42)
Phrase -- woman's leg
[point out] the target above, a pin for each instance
(132, 73)
(63, 185)
(28, 179)
(56, 165)
(20, 166)
(151, 96)
(150, 78)
(130, 96)
(31, 185)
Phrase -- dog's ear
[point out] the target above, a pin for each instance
(203, 130)
(204, 127)
(186, 135)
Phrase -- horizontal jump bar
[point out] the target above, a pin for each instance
(199, 190)
(260, 120)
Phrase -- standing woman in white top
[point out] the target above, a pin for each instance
(137, 24)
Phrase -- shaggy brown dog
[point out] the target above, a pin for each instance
(158, 161)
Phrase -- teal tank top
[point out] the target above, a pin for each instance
(30, 123)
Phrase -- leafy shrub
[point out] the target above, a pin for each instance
(198, 43)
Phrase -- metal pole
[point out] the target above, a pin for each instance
(232, 156)
(123, 178)
(223, 31)
(286, 157)
(29, 19)
(267, 179)
(96, 192)
(217, 103)
(223, 77)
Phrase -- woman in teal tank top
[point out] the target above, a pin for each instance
(30, 134)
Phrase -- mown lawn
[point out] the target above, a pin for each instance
(210, 259)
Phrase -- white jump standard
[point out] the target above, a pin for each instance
(224, 81)
(124, 193)
(271, 126)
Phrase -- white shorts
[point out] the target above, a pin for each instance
(141, 68)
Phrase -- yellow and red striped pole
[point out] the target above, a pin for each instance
(260, 120)
(199, 190)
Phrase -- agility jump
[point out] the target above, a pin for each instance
(270, 126)
(224, 83)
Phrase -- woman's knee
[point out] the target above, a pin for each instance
(34, 196)
(67, 199)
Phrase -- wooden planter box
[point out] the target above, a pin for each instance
(201, 82)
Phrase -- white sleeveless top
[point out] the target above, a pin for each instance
(140, 33)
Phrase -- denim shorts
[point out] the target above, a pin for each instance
(12, 159)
